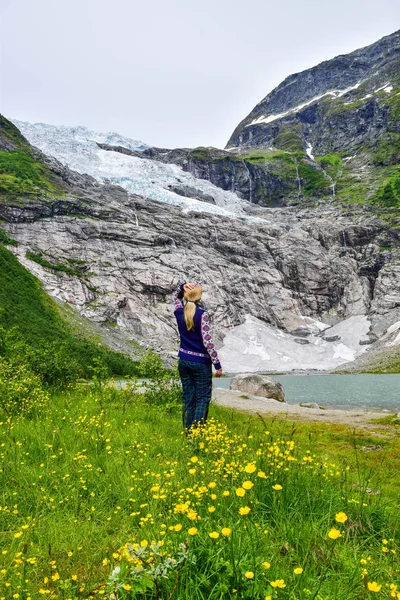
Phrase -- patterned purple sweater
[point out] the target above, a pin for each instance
(197, 344)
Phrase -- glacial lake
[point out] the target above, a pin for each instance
(371, 392)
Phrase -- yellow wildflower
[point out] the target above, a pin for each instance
(341, 517)
(226, 531)
(244, 510)
(278, 583)
(266, 564)
(250, 468)
(249, 575)
(277, 487)
(247, 485)
(298, 571)
(240, 492)
(214, 535)
(334, 534)
(373, 586)
(192, 531)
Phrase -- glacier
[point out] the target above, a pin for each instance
(77, 147)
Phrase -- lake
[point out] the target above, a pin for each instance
(372, 392)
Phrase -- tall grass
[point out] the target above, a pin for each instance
(102, 495)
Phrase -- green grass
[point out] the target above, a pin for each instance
(388, 150)
(25, 305)
(96, 469)
(389, 192)
(4, 239)
(58, 267)
(10, 135)
(289, 139)
(21, 174)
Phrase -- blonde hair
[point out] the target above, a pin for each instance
(191, 297)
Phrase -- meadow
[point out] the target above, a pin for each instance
(103, 496)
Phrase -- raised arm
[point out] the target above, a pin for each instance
(178, 296)
(208, 341)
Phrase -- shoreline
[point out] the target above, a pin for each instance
(256, 404)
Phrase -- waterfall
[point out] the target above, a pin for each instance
(309, 150)
(298, 179)
(332, 182)
(250, 180)
(134, 211)
(233, 178)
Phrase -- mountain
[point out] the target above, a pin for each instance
(278, 281)
(297, 242)
(85, 151)
(330, 134)
(344, 116)
(339, 105)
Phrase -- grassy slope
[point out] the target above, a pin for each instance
(25, 305)
(22, 174)
(80, 480)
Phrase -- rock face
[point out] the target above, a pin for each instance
(334, 106)
(330, 133)
(282, 269)
(258, 385)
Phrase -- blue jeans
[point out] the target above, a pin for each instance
(196, 381)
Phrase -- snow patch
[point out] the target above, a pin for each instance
(333, 93)
(256, 346)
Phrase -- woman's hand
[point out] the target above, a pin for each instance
(189, 286)
(218, 373)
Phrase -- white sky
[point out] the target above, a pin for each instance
(171, 73)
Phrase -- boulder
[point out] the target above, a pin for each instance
(258, 385)
(309, 405)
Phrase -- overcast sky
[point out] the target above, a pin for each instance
(169, 72)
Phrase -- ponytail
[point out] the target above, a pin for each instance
(191, 296)
(189, 312)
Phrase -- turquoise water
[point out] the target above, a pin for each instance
(379, 392)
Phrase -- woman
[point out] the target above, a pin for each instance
(196, 354)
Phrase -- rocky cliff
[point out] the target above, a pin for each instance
(294, 230)
(117, 257)
(328, 134)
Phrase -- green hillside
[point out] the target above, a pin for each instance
(32, 325)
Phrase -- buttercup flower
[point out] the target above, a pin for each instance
(334, 534)
(373, 586)
(341, 517)
(247, 485)
(277, 487)
(240, 492)
(249, 575)
(214, 535)
(192, 531)
(298, 571)
(266, 564)
(226, 531)
(250, 468)
(244, 510)
(278, 583)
